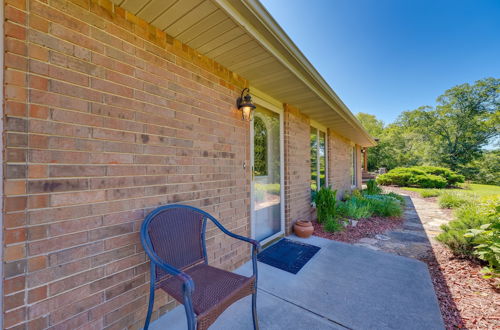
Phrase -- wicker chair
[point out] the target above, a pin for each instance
(173, 236)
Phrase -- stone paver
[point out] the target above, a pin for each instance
(422, 222)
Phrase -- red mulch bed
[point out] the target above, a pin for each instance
(467, 300)
(365, 228)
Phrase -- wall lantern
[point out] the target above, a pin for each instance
(244, 103)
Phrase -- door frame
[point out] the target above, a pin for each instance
(268, 103)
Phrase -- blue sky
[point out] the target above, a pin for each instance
(387, 56)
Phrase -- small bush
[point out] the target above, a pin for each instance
(326, 204)
(428, 181)
(487, 248)
(332, 225)
(420, 176)
(429, 193)
(385, 206)
(353, 193)
(451, 177)
(355, 208)
(400, 176)
(469, 216)
(453, 200)
(400, 198)
(372, 187)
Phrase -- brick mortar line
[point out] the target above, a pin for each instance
(100, 304)
(122, 153)
(116, 152)
(129, 199)
(123, 97)
(175, 56)
(117, 130)
(136, 253)
(104, 214)
(52, 178)
(114, 200)
(118, 200)
(28, 226)
(90, 87)
(135, 67)
(230, 118)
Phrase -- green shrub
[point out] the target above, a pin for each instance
(453, 200)
(487, 238)
(372, 187)
(353, 193)
(420, 176)
(326, 203)
(332, 225)
(355, 208)
(451, 177)
(429, 193)
(400, 198)
(469, 216)
(400, 176)
(385, 206)
(428, 181)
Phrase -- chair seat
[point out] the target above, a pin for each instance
(214, 290)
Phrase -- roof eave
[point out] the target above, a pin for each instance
(257, 18)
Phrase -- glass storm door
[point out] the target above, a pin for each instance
(266, 164)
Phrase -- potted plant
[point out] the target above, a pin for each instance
(303, 228)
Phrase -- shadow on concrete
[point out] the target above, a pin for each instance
(413, 241)
(342, 287)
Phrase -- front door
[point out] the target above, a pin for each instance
(267, 175)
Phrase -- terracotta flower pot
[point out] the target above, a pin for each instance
(303, 229)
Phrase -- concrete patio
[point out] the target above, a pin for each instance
(341, 287)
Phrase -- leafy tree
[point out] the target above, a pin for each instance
(452, 134)
(465, 120)
(376, 128)
(485, 169)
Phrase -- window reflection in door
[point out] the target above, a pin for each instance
(267, 167)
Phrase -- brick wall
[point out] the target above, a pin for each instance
(340, 163)
(107, 118)
(297, 166)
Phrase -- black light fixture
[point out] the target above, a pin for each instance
(244, 103)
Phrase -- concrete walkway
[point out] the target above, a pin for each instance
(341, 287)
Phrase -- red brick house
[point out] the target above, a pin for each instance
(112, 108)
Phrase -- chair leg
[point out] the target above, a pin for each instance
(254, 311)
(150, 306)
(191, 320)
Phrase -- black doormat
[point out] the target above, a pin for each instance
(288, 255)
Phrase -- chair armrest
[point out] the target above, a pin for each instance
(256, 245)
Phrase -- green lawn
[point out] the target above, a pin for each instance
(477, 189)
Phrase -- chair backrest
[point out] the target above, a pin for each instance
(175, 232)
